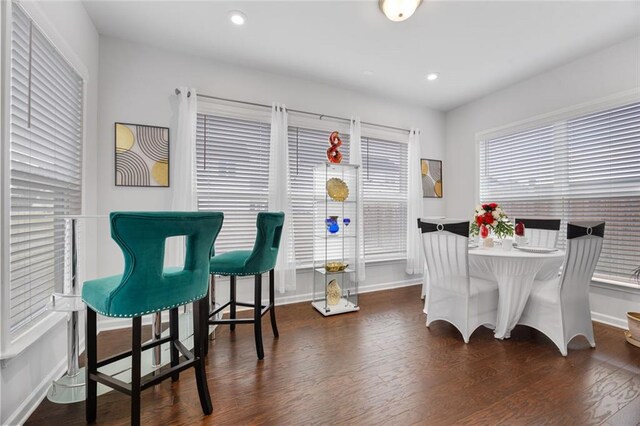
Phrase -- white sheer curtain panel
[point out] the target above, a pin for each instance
(355, 157)
(183, 169)
(415, 259)
(280, 197)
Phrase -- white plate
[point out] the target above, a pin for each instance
(532, 249)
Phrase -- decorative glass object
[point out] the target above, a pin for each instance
(337, 189)
(335, 266)
(332, 224)
(334, 293)
(487, 241)
(521, 240)
(333, 154)
(346, 221)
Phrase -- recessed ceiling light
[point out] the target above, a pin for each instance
(237, 17)
(367, 73)
(433, 76)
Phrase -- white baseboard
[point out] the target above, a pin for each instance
(105, 324)
(609, 320)
(29, 405)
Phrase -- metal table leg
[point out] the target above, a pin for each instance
(70, 387)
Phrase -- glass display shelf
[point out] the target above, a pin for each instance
(335, 292)
(325, 272)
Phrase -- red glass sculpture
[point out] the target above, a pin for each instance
(520, 229)
(333, 154)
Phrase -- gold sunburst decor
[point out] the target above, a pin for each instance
(337, 189)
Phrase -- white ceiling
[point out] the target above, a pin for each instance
(476, 46)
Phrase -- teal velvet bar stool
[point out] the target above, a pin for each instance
(147, 287)
(251, 262)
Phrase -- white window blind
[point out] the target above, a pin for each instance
(233, 175)
(46, 107)
(384, 175)
(583, 168)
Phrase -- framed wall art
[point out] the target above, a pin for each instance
(141, 155)
(431, 171)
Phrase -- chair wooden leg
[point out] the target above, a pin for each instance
(257, 316)
(201, 308)
(232, 291)
(174, 333)
(92, 361)
(272, 305)
(136, 371)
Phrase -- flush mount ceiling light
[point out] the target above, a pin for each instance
(433, 76)
(237, 17)
(398, 10)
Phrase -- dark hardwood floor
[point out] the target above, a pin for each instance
(383, 366)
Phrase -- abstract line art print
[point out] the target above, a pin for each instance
(431, 171)
(142, 155)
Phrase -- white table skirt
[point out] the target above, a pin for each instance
(514, 271)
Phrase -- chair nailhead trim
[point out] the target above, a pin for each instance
(227, 274)
(166, 308)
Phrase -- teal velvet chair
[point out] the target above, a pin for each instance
(251, 262)
(147, 287)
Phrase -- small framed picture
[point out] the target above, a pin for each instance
(141, 155)
(431, 171)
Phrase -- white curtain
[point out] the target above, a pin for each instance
(280, 196)
(415, 259)
(183, 169)
(355, 157)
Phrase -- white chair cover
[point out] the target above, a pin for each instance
(541, 232)
(453, 296)
(559, 307)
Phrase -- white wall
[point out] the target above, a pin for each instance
(590, 78)
(137, 85)
(26, 377)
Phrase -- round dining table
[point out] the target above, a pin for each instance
(515, 271)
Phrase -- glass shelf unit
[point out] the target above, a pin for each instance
(335, 292)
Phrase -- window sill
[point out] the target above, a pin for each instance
(616, 285)
(31, 335)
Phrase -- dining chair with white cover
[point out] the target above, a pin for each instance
(463, 301)
(541, 232)
(559, 307)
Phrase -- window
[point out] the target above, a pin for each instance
(45, 151)
(384, 175)
(233, 172)
(233, 175)
(581, 168)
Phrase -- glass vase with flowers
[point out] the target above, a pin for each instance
(489, 219)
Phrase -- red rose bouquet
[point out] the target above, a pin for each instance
(492, 218)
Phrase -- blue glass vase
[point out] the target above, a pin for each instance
(332, 224)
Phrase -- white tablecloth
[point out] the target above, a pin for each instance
(515, 271)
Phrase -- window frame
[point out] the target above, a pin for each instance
(556, 118)
(12, 345)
